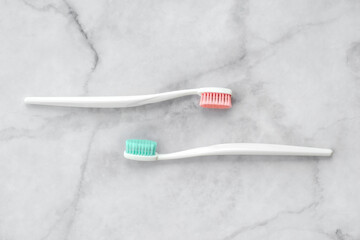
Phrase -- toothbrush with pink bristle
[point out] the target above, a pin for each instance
(211, 97)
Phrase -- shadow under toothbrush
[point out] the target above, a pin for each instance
(233, 160)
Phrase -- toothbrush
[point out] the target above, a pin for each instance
(145, 150)
(211, 97)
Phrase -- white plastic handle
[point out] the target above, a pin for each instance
(247, 149)
(118, 101)
(108, 102)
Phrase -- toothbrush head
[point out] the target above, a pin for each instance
(215, 98)
(140, 150)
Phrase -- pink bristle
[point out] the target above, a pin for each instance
(215, 100)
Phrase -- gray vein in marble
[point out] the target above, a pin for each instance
(318, 188)
(331, 125)
(342, 236)
(189, 80)
(336, 235)
(75, 16)
(75, 19)
(271, 49)
(12, 133)
(55, 224)
(353, 58)
(300, 28)
(269, 220)
(44, 8)
(76, 200)
(227, 65)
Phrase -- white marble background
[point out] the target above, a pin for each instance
(293, 65)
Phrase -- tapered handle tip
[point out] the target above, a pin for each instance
(328, 152)
(34, 100)
(27, 100)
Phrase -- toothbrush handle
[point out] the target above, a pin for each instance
(247, 149)
(108, 102)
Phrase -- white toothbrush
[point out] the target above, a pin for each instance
(211, 97)
(145, 150)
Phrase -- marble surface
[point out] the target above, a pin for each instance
(294, 68)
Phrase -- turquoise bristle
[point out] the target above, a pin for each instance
(141, 147)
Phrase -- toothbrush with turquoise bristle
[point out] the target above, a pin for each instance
(211, 97)
(145, 150)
